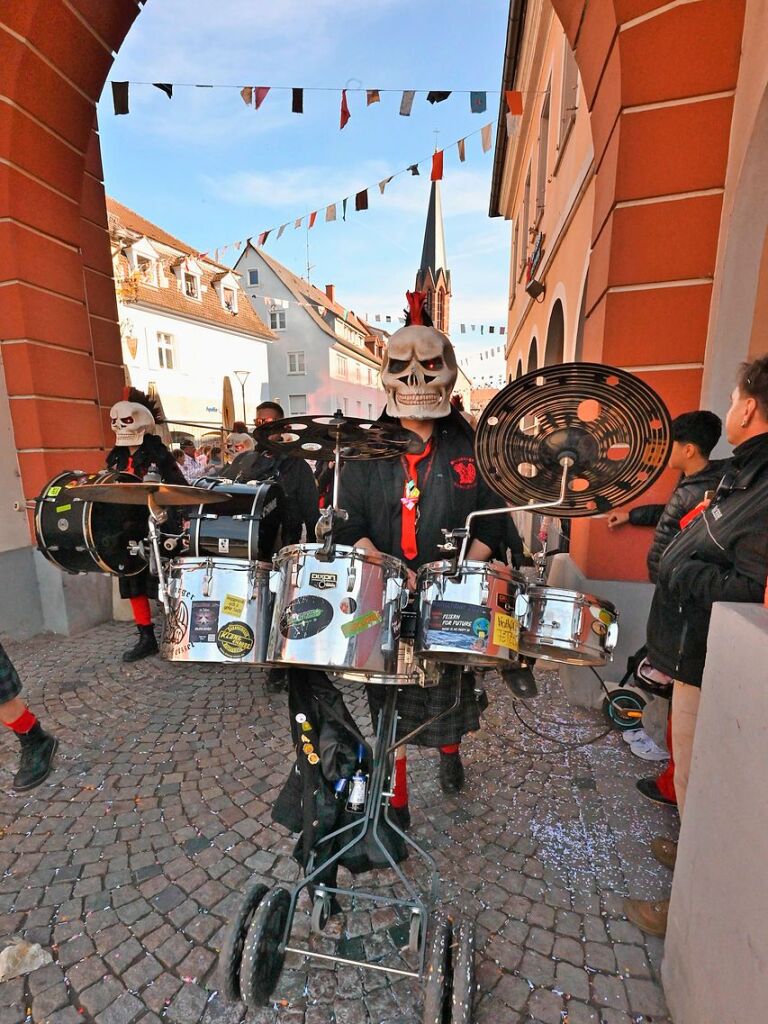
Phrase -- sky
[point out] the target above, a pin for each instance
(211, 171)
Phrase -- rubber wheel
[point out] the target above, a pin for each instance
(463, 963)
(263, 952)
(437, 980)
(623, 700)
(234, 939)
(416, 931)
(321, 911)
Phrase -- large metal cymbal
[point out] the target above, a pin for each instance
(139, 494)
(612, 425)
(316, 437)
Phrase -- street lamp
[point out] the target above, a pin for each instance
(242, 376)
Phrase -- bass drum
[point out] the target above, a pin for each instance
(89, 536)
(246, 527)
(566, 626)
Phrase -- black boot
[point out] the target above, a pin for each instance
(400, 816)
(147, 645)
(37, 750)
(451, 773)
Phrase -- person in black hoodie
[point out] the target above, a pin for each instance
(721, 555)
(401, 506)
(137, 451)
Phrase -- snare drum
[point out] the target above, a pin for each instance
(89, 536)
(566, 626)
(244, 527)
(468, 616)
(219, 610)
(338, 614)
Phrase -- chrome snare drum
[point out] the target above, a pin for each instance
(338, 613)
(567, 626)
(468, 617)
(219, 610)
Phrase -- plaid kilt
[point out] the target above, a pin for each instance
(415, 704)
(10, 684)
(142, 584)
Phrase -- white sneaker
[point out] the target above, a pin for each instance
(648, 750)
(634, 735)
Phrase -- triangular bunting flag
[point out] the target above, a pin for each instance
(361, 200)
(462, 148)
(383, 184)
(372, 96)
(344, 114)
(414, 169)
(165, 87)
(406, 103)
(512, 121)
(330, 212)
(477, 102)
(514, 101)
(260, 93)
(263, 237)
(344, 209)
(282, 229)
(247, 93)
(238, 246)
(485, 136)
(297, 101)
(437, 166)
(490, 330)
(120, 97)
(502, 330)
(437, 97)
(297, 222)
(463, 328)
(312, 218)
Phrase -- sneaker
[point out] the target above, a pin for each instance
(633, 735)
(648, 750)
(650, 790)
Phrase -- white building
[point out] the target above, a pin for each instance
(185, 324)
(324, 357)
(487, 368)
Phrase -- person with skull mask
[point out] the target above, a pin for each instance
(400, 507)
(137, 449)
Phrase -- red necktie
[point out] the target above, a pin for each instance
(410, 503)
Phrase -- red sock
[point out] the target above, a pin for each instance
(142, 614)
(450, 748)
(400, 788)
(666, 781)
(23, 723)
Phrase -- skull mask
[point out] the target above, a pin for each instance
(419, 373)
(130, 421)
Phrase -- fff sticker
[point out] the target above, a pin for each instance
(235, 639)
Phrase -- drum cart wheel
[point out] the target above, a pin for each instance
(438, 975)
(463, 963)
(231, 954)
(321, 911)
(264, 948)
(416, 930)
(620, 701)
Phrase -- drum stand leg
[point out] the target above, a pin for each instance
(157, 515)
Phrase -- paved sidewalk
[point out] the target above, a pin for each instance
(127, 861)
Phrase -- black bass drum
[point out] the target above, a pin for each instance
(89, 536)
(247, 526)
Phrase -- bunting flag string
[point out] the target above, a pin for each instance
(255, 95)
(361, 197)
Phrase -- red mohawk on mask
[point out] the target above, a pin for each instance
(416, 314)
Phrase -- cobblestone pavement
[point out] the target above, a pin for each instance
(128, 860)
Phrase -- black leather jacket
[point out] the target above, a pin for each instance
(298, 484)
(666, 518)
(721, 556)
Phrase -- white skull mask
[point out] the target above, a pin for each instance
(419, 373)
(130, 421)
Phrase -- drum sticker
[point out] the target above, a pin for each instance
(204, 621)
(323, 580)
(233, 605)
(63, 508)
(458, 625)
(359, 625)
(53, 491)
(235, 639)
(176, 623)
(306, 616)
(347, 605)
(223, 545)
(506, 631)
(599, 628)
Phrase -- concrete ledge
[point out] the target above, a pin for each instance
(21, 613)
(716, 955)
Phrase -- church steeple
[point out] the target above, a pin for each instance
(433, 276)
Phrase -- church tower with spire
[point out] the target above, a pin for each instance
(433, 276)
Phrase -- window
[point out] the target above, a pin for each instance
(191, 286)
(277, 320)
(253, 278)
(515, 254)
(297, 405)
(371, 378)
(359, 410)
(440, 322)
(345, 406)
(341, 366)
(165, 352)
(147, 270)
(526, 224)
(569, 97)
(229, 299)
(370, 411)
(541, 169)
(296, 362)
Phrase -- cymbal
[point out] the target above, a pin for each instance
(612, 426)
(316, 437)
(137, 494)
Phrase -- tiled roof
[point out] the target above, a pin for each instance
(303, 291)
(170, 299)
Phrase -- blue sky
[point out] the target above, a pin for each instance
(210, 170)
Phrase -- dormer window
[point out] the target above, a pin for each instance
(143, 260)
(147, 270)
(191, 285)
(229, 299)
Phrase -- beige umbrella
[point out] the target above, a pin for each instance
(161, 429)
(227, 405)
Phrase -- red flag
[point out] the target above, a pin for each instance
(345, 115)
(261, 94)
(437, 166)
(514, 101)
(262, 238)
(361, 200)
(312, 218)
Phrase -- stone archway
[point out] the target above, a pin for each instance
(555, 346)
(533, 356)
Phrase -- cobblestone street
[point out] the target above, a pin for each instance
(127, 862)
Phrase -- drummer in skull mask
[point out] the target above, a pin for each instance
(400, 507)
(137, 450)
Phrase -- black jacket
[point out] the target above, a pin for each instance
(721, 556)
(151, 450)
(370, 492)
(297, 481)
(666, 518)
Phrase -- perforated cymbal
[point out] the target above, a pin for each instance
(315, 437)
(137, 494)
(610, 423)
